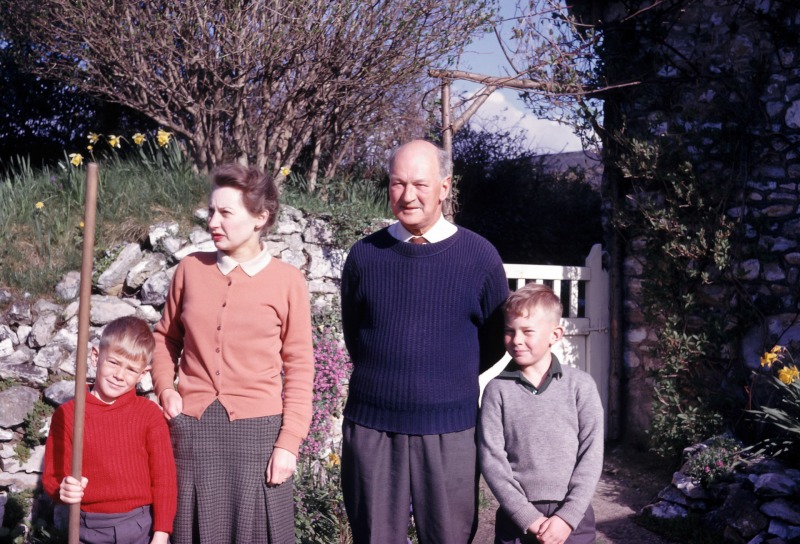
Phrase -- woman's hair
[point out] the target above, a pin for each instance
(531, 297)
(259, 192)
(129, 336)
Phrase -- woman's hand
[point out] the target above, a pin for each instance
(280, 467)
(71, 491)
(171, 403)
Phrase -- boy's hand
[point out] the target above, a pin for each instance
(171, 403)
(553, 530)
(280, 467)
(533, 529)
(71, 491)
(160, 537)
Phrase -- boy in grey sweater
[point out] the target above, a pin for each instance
(540, 435)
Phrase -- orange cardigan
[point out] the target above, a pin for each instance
(242, 340)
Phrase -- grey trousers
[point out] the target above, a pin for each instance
(507, 532)
(131, 527)
(383, 474)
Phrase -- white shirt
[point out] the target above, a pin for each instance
(441, 230)
(252, 267)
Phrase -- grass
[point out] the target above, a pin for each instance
(41, 210)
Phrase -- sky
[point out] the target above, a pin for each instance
(504, 109)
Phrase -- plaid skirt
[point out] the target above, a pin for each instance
(222, 494)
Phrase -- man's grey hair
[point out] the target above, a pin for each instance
(445, 162)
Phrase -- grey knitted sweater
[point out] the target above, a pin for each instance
(542, 447)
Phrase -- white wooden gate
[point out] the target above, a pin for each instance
(584, 295)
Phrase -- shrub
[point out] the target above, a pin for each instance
(714, 460)
(320, 516)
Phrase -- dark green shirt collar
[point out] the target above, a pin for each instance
(513, 372)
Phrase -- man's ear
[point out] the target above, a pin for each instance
(95, 355)
(446, 182)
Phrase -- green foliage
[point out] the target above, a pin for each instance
(41, 210)
(319, 514)
(33, 423)
(714, 460)
(530, 213)
(350, 207)
(780, 411)
(687, 244)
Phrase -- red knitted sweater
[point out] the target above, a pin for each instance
(127, 457)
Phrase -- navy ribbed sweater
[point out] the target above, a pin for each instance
(420, 321)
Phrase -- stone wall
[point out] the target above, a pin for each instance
(38, 338)
(719, 80)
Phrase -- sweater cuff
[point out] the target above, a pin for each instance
(289, 442)
(570, 514)
(525, 516)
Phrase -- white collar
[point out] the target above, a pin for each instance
(252, 267)
(441, 230)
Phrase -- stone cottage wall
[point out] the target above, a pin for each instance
(38, 338)
(721, 80)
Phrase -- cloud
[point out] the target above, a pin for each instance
(503, 110)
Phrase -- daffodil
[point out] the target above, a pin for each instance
(768, 359)
(89, 147)
(113, 141)
(163, 137)
(75, 159)
(788, 374)
(81, 224)
(93, 137)
(39, 205)
(285, 171)
(333, 459)
(138, 138)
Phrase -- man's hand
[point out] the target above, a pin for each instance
(280, 467)
(71, 491)
(171, 403)
(553, 530)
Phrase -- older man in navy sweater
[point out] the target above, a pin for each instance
(421, 315)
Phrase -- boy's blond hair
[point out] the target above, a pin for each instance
(129, 336)
(531, 297)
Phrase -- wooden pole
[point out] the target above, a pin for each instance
(84, 306)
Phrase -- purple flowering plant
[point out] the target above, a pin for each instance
(320, 516)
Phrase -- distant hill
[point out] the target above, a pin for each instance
(587, 161)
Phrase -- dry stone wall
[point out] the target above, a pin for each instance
(39, 338)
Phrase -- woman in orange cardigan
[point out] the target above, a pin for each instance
(237, 331)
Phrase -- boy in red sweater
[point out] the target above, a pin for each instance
(128, 490)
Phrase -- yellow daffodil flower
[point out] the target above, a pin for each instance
(89, 147)
(93, 137)
(333, 459)
(113, 141)
(138, 138)
(788, 374)
(163, 137)
(39, 205)
(81, 224)
(75, 159)
(285, 171)
(768, 359)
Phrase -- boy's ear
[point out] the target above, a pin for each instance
(145, 371)
(557, 335)
(95, 355)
